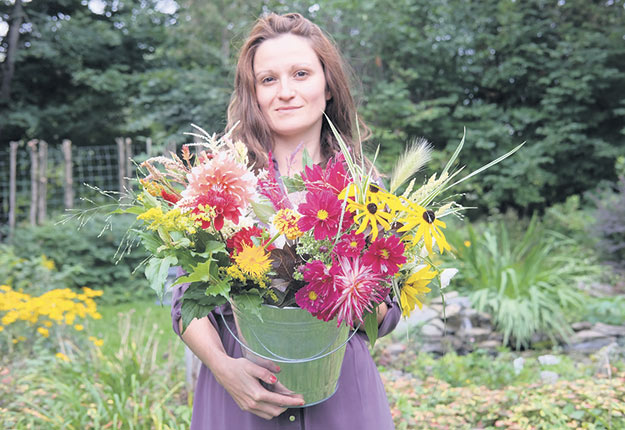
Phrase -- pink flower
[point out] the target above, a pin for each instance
(321, 212)
(320, 284)
(222, 205)
(385, 255)
(244, 237)
(350, 245)
(271, 189)
(357, 287)
(334, 178)
(219, 174)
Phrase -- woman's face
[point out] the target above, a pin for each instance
(290, 87)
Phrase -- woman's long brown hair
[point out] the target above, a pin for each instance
(340, 109)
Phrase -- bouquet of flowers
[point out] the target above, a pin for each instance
(330, 240)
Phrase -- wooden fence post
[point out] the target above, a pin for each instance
(128, 172)
(121, 163)
(43, 181)
(148, 147)
(69, 178)
(34, 182)
(12, 187)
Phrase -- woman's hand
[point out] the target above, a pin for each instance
(241, 379)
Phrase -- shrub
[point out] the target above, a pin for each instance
(88, 256)
(526, 284)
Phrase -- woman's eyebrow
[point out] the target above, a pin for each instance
(291, 68)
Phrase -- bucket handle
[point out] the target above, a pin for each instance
(281, 359)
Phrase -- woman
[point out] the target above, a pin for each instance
(288, 74)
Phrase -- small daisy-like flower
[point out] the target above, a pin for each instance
(253, 261)
(215, 206)
(383, 198)
(350, 245)
(43, 331)
(286, 223)
(370, 214)
(385, 255)
(428, 227)
(321, 213)
(414, 288)
(79, 327)
(61, 356)
(97, 342)
(357, 287)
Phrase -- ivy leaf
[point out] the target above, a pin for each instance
(371, 326)
(156, 271)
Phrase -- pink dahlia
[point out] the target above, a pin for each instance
(321, 212)
(320, 284)
(350, 245)
(223, 175)
(358, 287)
(385, 255)
(333, 178)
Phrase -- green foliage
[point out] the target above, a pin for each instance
(87, 256)
(528, 284)
(610, 223)
(132, 386)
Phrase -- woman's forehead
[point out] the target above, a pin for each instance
(284, 52)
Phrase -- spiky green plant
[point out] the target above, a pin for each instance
(527, 285)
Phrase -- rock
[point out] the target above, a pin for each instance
(431, 330)
(475, 334)
(463, 301)
(451, 310)
(416, 318)
(548, 359)
(590, 346)
(586, 335)
(483, 318)
(609, 330)
(433, 347)
(549, 377)
(518, 364)
(395, 348)
(448, 296)
(582, 325)
(437, 308)
(489, 344)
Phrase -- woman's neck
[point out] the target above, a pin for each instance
(289, 153)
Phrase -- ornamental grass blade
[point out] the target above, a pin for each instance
(413, 159)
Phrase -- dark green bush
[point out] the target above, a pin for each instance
(87, 256)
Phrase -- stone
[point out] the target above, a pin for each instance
(591, 345)
(475, 334)
(518, 364)
(463, 301)
(609, 330)
(585, 335)
(484, 318)
(437, 308)
(395, 348)
(416, 318)
(431, 330)
(448, 296)
(548, 359)
(432, 347)
(582, 325)
(489, 344)
(549, 377)
(452, 310)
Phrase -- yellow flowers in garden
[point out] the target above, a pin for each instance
(59, 306)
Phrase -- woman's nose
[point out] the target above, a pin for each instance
(286, 91)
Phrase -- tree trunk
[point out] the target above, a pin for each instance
(9, 63)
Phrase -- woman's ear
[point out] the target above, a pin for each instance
(328, 96)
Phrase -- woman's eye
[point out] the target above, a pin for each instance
(267, 80)
(301, 73)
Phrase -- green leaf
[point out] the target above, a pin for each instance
(200, 273)
(197, 304)
(371, 326)
(156, 271)
(294, 184)
(249, 303)
(219, 287)
(307, 160)
(263, 211)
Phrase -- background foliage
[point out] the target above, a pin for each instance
(543, 72)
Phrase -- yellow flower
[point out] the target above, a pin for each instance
(1, 328)
(467, 243)
(43, 331)
(79, 327)
(97, 342)
(61, 356)
(253, 261)
(47, 263)
(286, 223)
(414, 288)
(428, 227)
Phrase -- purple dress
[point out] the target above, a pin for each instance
(359, 403)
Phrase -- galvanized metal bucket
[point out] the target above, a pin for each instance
(308, 351)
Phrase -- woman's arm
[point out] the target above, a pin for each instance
(239, 376)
